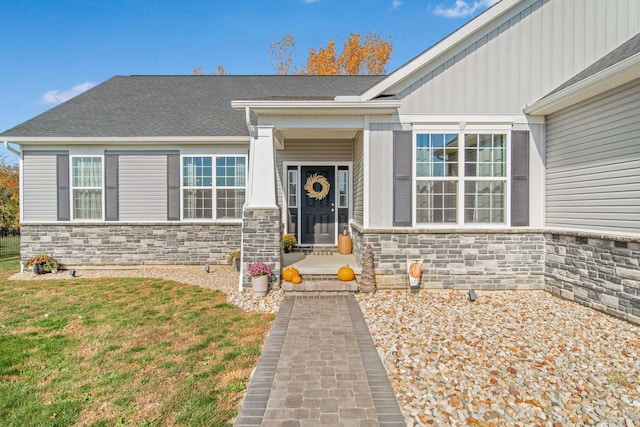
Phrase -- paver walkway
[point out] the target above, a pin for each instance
(319, 367)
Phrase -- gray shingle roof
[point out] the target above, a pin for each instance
(622, 52)
(137, 106)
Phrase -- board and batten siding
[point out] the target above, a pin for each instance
(521, 57)
(142, 187)
(310, 152)
(593, 164)
(358, 178)
(380, 175)
(39, 184)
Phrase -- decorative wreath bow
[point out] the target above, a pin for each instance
(311, 191)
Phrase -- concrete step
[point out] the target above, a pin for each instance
(320, 286)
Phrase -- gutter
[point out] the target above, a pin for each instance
(10, 148)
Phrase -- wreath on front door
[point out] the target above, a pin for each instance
(311, 191)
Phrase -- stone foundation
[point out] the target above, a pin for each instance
(261, 241)
(132, 244)
(598, 271)
(456, 259)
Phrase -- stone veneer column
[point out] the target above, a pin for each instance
(261, 237)
(261, 220)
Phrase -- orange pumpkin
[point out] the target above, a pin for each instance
(289, 273)
(346, 273)
(415, 270)
(297, 279)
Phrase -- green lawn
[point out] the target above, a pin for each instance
(112, 352)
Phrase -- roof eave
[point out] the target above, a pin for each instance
(407, 70)
(143, 140)
(307, 107)
(614, 76)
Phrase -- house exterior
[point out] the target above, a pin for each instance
(506, 156)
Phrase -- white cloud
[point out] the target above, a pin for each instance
(396, 4)
(463, 8)
(58, 97)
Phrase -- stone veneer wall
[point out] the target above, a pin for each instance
(460, 259)
(596, 270)
(261, 241)
(132, 243)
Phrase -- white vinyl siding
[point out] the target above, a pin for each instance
(593, 159)
(39, 183)
(358, 174)
(142, 187)
(380, 175)
(521, 57)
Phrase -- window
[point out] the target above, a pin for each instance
(199, 185)
(436, 178)
(343, 187)
(86, 184)
(444, 167)
(293, 186)
(230, 186)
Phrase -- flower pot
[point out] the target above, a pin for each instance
(260, 285)
(287, 249)
(38, 268)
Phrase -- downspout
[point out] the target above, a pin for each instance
(247, 118)
(10, 148)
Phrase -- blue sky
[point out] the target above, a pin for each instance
(53, 49)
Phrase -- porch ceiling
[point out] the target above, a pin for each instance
(300, 133)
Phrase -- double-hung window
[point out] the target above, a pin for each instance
(201, 181)
(461, 178)
(86, 186)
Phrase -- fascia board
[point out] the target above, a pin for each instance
(317, 107)
(438, 49)
(145, 140)
(607, 79)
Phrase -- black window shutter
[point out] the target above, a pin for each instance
(402, 167)
(111, 186)
(173, 187)
(520, 178)
(64, 199)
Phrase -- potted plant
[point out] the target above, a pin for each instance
(260, 273)
(43, 263)
(234, 260)
(288, 242)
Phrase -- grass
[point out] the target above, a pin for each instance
(122, 352)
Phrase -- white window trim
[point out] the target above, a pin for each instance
(214, 195)
(72, 188)
(213, 187)
(461, 178)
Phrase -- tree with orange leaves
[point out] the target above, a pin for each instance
(9, 196)
(357, 57)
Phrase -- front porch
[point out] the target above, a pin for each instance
(319, 271)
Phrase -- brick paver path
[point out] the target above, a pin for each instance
(319, 367)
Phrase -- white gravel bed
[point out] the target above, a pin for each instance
(509, 358)
(220, 277)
